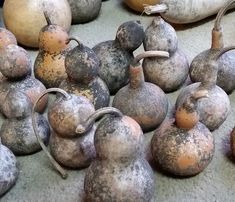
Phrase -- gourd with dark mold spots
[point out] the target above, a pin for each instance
(116, 55)
(214, 110)
(167, 73)
(66, 146)
(17, 131)
(226, 62)
(6, 38)
(49, 65)
(120, 171)
(82, 66)
(145, 102)
(84, 10)
(182, 145)
(15, 65)
(8, 169)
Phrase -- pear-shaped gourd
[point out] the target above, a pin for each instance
(226, 62)
(145, 102)
(8, 169)
(167, 73)
(84, 10)
(82, 66)
(66, 146)
(49, 65)
(120, 171)
(6, 38)
(182, 145)
(214, 110)
(17, 131)
(15, 65)
(116, 55)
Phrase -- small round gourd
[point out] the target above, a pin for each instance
(6, 38)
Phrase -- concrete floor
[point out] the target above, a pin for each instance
(38, 182)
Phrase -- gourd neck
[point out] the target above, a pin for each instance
(217, 35)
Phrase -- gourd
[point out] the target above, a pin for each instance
(115, 55)
(226, 62)
(182, 145)
(167, 73)
(214, 110)
(17, 131)
(6, 38)
(15, 65)
(27, 19)
(120, 172)
(84, 10)
(82, 66)
(49, 65)
(66, 147)
(182, 12)
(8, 169)
(145, 102)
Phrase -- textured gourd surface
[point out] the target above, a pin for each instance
(39, 182)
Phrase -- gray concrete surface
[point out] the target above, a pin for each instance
(38, 182)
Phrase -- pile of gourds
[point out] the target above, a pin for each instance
(83, 80)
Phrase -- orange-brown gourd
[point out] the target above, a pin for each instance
(49, 65)
(25, 18)
(138, 5)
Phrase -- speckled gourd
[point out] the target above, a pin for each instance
(15, 65)
(226, 62)
(167, 73)
(145, 102)
(49, 65)
(84, 10)
(214, 110)
(17, 131)
(66, 146)
(116, 55)
(182, 145)
(8, 169)
(82, 66)
(120, 172)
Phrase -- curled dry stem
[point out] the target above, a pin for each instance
(86, 125)
(34, 122)
(148, 54)
(158, 8)
(73, 39)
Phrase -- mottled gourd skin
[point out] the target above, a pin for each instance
(96, 91)
(167, 73)
(18, 134)
(32, 87)
(65, 114)
(75, 152)
(181, 152)
(8, 169)
(147, 105)
(115, 56)
(84, 10)
(49, 68)
(6, 37)
(120, 172)
(114, 68)
(226, 72)
(214, 110)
